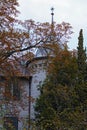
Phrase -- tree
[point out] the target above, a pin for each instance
(62, 94)
(18, 38)
(58, 97)
(12, 40)
(8, 12)
(81, 59)
(81, 86)
(32, 35)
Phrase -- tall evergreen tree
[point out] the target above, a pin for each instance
(62, 103)
(81, 58)
(55, 106)
(81, 86)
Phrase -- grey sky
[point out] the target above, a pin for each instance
(72, 11)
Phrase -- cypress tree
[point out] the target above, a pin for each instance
(81, 58)
(81, 87)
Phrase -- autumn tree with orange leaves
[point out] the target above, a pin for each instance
(20, 39)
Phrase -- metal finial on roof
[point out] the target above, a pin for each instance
(52, 25)
(52, 13)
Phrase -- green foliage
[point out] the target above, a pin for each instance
(82, 65)
(62, 103)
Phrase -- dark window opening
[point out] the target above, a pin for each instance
(12, 89)
(16, 90)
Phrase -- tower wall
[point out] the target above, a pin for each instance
(38, 73)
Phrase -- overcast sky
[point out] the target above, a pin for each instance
(72, 11)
